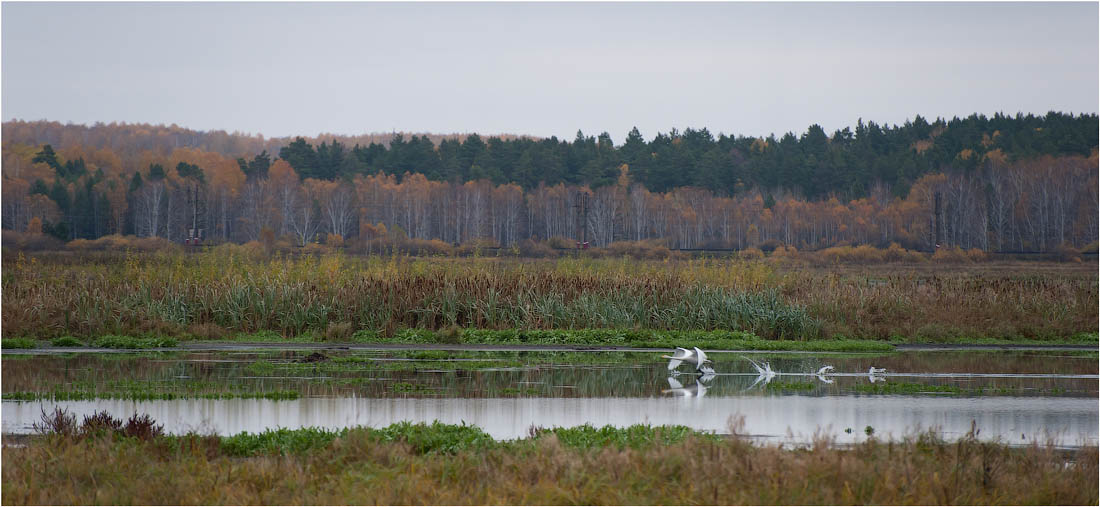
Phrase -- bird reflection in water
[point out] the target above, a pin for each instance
(697, 388)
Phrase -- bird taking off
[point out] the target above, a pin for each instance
(696, 357)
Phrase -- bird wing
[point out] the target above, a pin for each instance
(675, 384)
(701, 356)
(673, 363)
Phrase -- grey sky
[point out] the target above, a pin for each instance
(542, 69)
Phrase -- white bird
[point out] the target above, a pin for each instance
(696, 357)
(764, 370)
(876, 371)
(825, 370)
(876, 374)
(696, 390)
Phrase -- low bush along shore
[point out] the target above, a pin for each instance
(104, 460)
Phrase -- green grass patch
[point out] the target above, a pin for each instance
(260, 368)
(636, 437)
(66, 341)
(905, 388)
(791, 386)
(280, 441)
(130, 342)
(434, 438)
(17, 343)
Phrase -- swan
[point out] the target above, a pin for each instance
(825, 370)
(876, 374)
(764, 371)
(696, 357)
(696, 390)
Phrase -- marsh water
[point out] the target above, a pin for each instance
(1016, 397)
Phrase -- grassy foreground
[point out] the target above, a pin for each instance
(229, 290)
(444, 464)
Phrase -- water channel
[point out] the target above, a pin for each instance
(1014, 397)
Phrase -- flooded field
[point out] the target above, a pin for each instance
(1015, 397)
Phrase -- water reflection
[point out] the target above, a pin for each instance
(591, 375)
(771, 418)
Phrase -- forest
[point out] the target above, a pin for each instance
(1001, 183)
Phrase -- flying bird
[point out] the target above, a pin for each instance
(764, 371)
(696, 357)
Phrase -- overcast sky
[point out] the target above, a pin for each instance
(542, 69)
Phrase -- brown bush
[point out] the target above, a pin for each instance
(476, 247)
(646, 249)
(1066, 253)
(529, 248)
(976, 254)
(950, 255)
(30, 242)
(560, 242)
(751, 253)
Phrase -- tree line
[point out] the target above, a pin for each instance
(1019, 189)
(813, 165)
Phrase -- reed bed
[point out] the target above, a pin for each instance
(227, 291)
(441, 464)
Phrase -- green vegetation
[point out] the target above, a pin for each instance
(146, 395)
(791, 386)
(906, 388)
(130, 342)
(17, 343)
(103, 461)
(227, 294)
(66, 341)
(638, 436)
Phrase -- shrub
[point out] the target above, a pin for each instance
(637, 249)
(1066, 253)
(751, 253)
(30, 242)
(142, 427)
(66, 341)
(529, 248)
(99, 424)
(475, 246)
(17, 343)
(129, 342)
(976, 254)
(559, 242)
(769, 245)
(950, 255)
(58, 422)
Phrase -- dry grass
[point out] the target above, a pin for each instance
(235, 289)
(357, 468)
